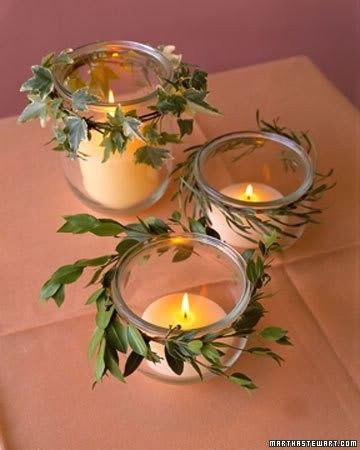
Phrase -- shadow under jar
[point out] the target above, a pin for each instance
(254, 183)
(125, 73)
(194, 281)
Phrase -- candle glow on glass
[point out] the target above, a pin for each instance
(247, 192)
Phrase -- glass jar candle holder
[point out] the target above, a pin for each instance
(255, 183)
(125, 73)
(194, 281)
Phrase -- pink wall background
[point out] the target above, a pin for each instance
(216, 34)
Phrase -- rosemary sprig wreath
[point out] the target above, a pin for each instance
(119, 347)
(195, 201)
(184, 93)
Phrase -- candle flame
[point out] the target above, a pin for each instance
(249, 192)
(111, 98)
(185, 305)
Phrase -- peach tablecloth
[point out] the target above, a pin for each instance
(46, 401)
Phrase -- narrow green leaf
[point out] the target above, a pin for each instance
(182, 253)
(95, 341)
(107, 227)
(112, 363)
(95, 295)
(117, 336)
(273, 333)
(67, 274)
(243, 380)
(210, 353)
(59, 295)
(48, 289)
(196, 226)
(103, 316)
(99, 261)
(79, 223)
(132, 363)
(176, 365)
(195, 346)
(100, 361)
(136, 341)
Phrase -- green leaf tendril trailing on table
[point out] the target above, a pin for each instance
(196, 202)
(118, 347)
(185, 93)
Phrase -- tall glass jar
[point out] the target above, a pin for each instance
(125, 73)
(255, 182)
(155, 276)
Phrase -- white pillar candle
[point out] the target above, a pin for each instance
(118, 183)
(248, 192)
(188, 310)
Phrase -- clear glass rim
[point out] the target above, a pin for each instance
(206, 151)
(115, 46)
(154, 330)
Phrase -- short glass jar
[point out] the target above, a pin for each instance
(125, 73)
(155, 276)
(254, 183)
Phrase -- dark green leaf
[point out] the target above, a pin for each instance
(243, 380)
(49, 288)
(67, 274)
(79, 223)
(132, 363)
(117, 336)
(182, 253)
(185, 126)
(99, 261)
(211, 353)
(176, 365)
(125, 245)
(104, 316)
(107, 227)
(196, 226)
(136, 340)
(112, 363)
(59, 295)
(95, 295)
(273, 333)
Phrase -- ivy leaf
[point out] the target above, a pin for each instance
(59, 135)
(152, 156)
(136, 341)
(67, 274)
(131, 128)
(64, 57)
(132, 363)
(199, 80)
(176, 365)
(77, 130)
(41, 83)
(117, 336)
(34, 110)
(196, 102)
(82, 98)
(112, 363)
(185, 126)
(243, 380)
(96, 338)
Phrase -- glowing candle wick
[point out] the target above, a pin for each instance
(249, 191)
(185, 306)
